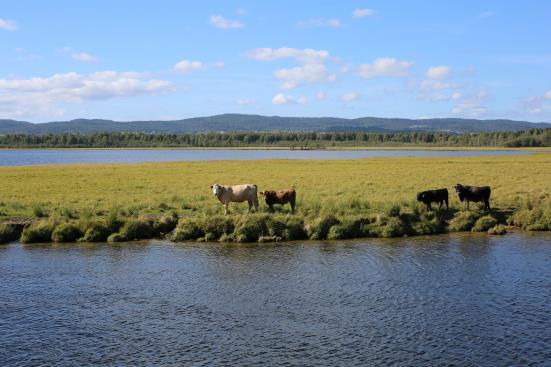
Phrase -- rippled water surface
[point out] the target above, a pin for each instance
(25, 157)
(468, 300)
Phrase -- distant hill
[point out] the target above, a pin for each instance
(238, 122)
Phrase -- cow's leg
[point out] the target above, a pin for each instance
(271, 208)
(255, 202)
(250, 202)
(447, 206)
(467, 205)
(487, 204)
(226, 206)
(440, 203)
(429, 208)
(292, 202)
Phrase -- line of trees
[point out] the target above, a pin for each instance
(298, 140)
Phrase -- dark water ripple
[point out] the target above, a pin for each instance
(25, 157)
(469, 300)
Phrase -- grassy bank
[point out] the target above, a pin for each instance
(336, 199)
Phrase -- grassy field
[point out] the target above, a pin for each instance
(339, 187)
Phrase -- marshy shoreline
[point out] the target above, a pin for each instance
(336, 199)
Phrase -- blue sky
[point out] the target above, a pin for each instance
(137, 60)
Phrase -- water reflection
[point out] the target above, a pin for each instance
(456, 299)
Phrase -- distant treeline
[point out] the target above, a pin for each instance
(296, 140)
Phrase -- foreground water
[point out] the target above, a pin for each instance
(25, 157)
(440, 300)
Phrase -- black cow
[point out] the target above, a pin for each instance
(474, 193)
(439, 196)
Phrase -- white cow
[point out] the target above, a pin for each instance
(237, 194)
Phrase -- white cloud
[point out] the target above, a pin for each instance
(310, 73)
(384, 66)
(219, 21)
(219, 64)
(350, 97)
(305, 55)
(8, 25)
(438, 72)
(186, 66)
(303, 100)
(28, 96)
(361, 13)
(83, 56)
(471, 105)
(537, 104)
(281, 99)
(321, 95)
(321, 22)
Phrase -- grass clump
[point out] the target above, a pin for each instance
(188, 229)
(66, 232)
(394, 228)
(137, 229)
(320, 229)
(354, 227)
(535, 219)
(117, 237)
(95, 232)
(38, 232)
(499, 230)
(462, 222)
(483, 224)
(249, 228)
(166, 223)
(9, 232)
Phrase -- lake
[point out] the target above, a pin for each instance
(458, 299)
(24, 157)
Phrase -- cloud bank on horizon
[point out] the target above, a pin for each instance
(123, 61)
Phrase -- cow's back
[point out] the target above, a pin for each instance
(241, 192)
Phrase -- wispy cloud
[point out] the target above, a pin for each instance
(350, 97)
(85, 57)
(362, 13)
(305, 55)
(281, 99)
(8, 25)
(219, 21)
(320, 22)
(384, 66)
(187, 66)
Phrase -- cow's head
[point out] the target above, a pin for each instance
(420, 196)
(216, 189)
(268, 195)
(460, 190)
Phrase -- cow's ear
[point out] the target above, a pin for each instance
(211, 186)
(261, 192)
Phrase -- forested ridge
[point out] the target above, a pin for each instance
(296, 140)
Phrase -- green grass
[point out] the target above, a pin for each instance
(335, 199)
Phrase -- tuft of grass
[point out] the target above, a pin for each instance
(499, 230)
(166, 223)
(66, 232)
(464, 221)
(137, 229)
(483, 224)
(535, 219)
(320, 229)
(39, 211)
(249, 228)
(95, 232)
(117, 237)
(38, 232)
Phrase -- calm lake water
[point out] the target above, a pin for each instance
(26, 157)
(468, 300)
